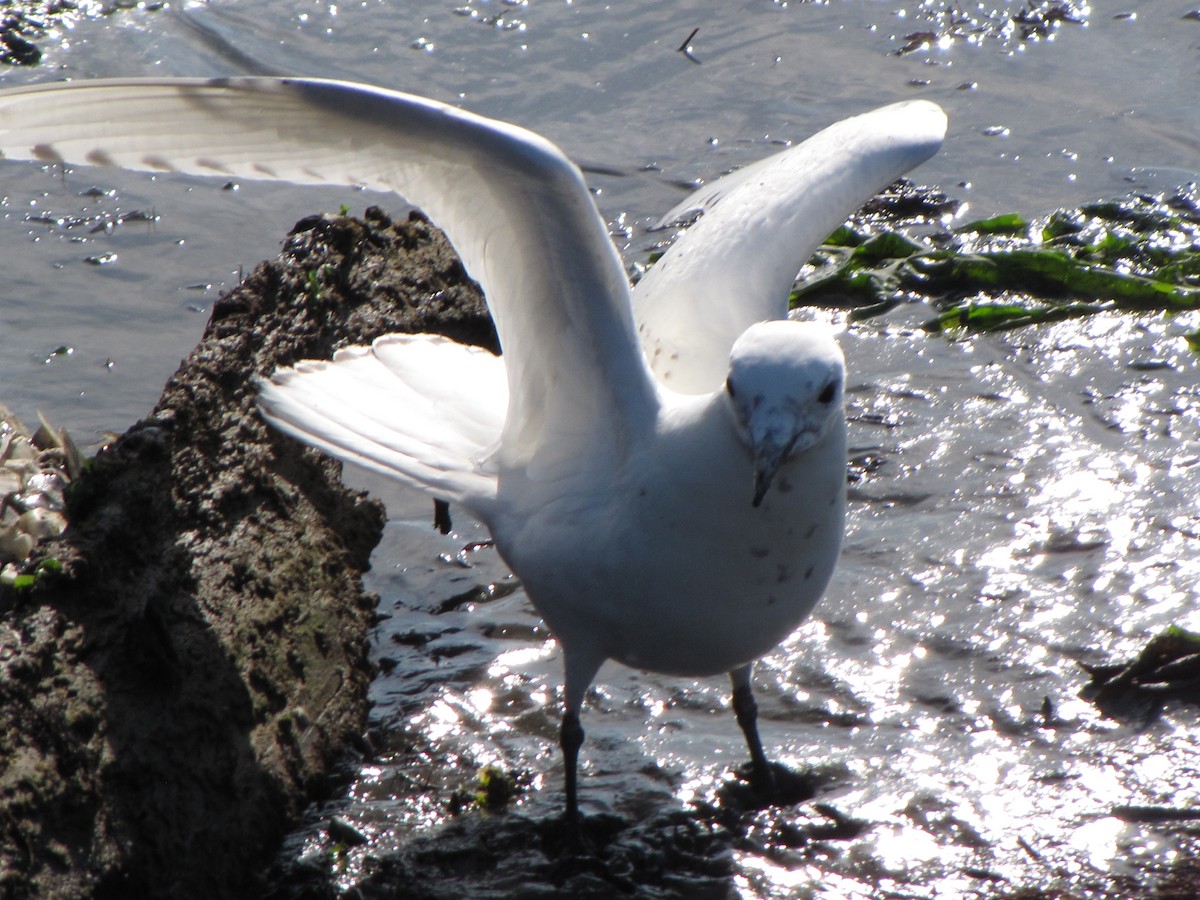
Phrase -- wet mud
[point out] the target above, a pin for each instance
(27, 25)
(176, 687)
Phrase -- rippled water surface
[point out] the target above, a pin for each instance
(1023, 503)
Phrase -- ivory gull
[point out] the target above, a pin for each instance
(663, 468)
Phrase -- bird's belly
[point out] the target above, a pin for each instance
(708, 590)
(714, 606)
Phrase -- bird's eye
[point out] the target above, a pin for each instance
(828, 393)
(729, 388)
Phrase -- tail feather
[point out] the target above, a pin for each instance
(419, 408)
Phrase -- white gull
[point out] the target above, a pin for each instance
(663, 468)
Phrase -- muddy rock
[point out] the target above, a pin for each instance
(179, 682)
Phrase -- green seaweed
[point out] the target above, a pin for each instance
(1139, 254)
(495, 788)
(48, 566)
(1005, 223)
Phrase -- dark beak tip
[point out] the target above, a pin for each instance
(761, 485)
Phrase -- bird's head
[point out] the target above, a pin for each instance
(784, 391)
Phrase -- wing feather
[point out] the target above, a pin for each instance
(419, 408)
(757, 227)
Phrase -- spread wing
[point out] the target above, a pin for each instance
(416, 407)
(515, 208)
(735, 266)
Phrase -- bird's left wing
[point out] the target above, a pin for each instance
(757, 227)
(516, 209)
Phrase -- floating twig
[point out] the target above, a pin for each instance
(686, 47)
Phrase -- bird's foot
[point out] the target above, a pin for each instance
(580, 836)
(774, 784)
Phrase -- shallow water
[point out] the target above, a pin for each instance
(1047, 122)
(1025, 502)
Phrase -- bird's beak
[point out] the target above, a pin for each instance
(771, 453)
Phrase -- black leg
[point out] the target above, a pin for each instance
(441, 516)
(571, 739)
(746, 711)
(581, 668)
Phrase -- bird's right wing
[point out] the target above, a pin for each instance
(420, 408)
(515, 208)
(757, 227)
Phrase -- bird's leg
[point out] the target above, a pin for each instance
(581, 668)
(441, 516)
(746, 711)
(571, 739)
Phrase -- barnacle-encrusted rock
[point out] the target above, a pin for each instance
(35, 470)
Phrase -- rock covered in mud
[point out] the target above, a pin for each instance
(180, 682)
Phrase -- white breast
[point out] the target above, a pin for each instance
(672, 569)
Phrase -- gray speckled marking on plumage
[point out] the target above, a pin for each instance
(99, 157)
(45, 153)
(158, 163)
(214, 166)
